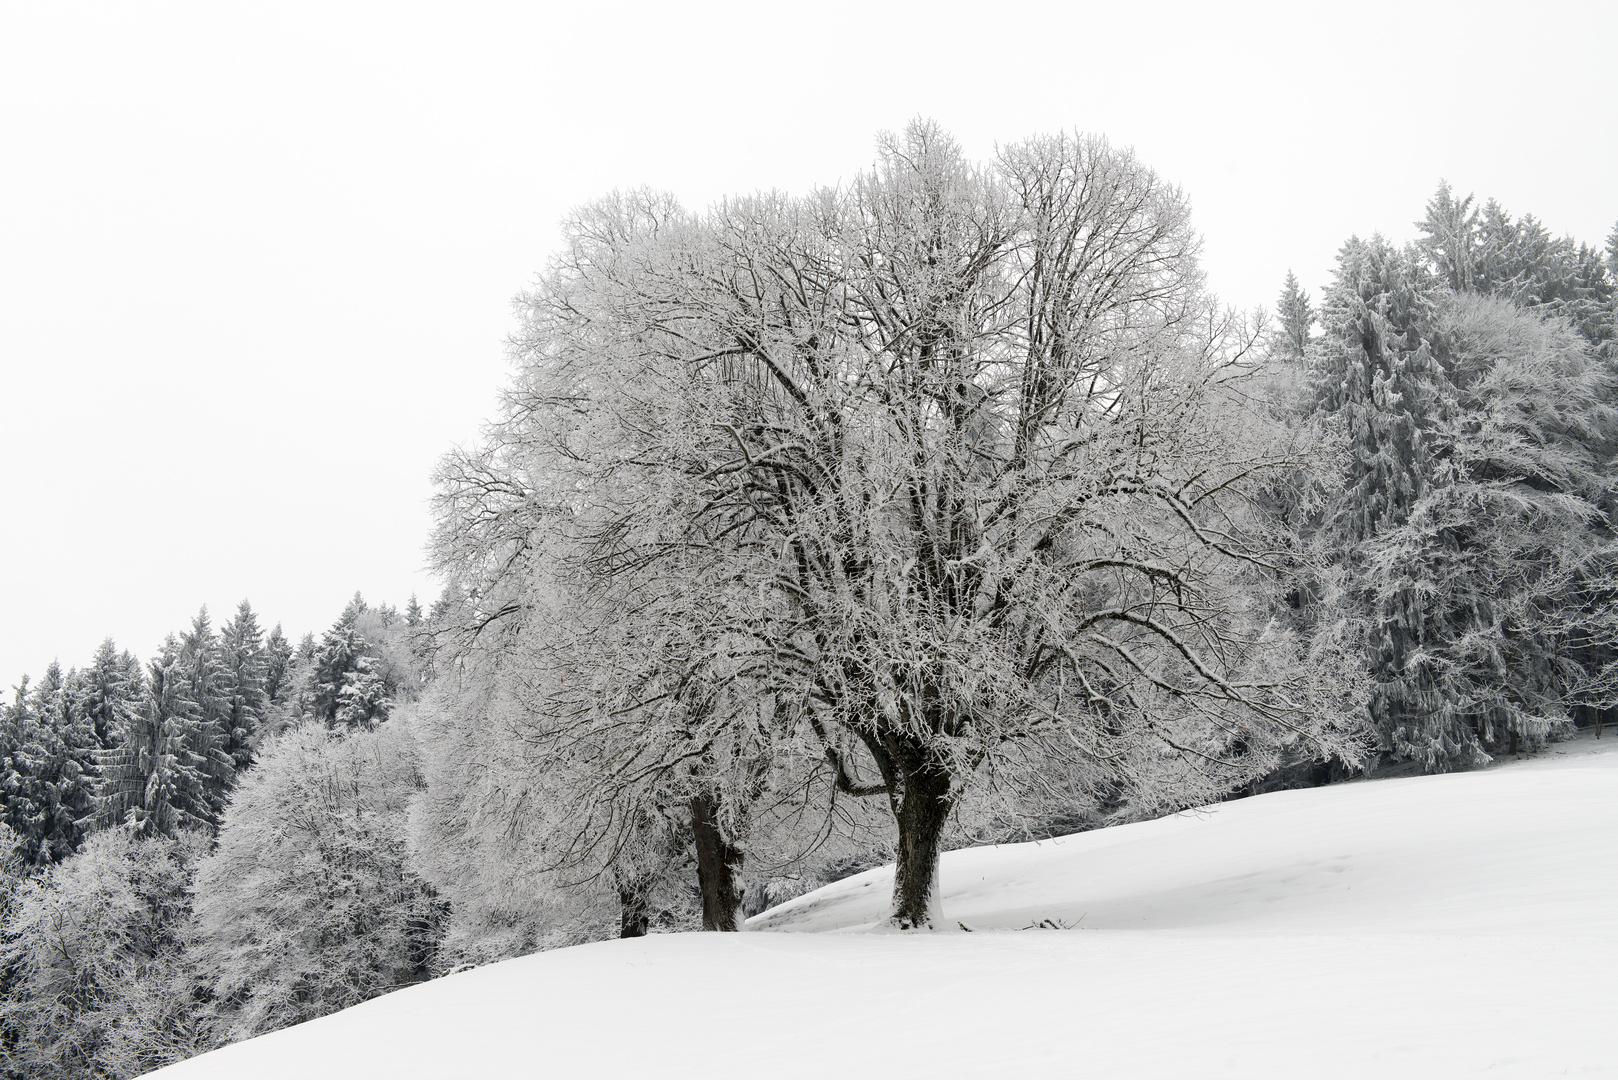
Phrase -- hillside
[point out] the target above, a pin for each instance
(1430, 926)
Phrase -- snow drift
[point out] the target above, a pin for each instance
(1432, 926)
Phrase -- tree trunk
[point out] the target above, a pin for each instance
(718, 861)
(923, 808)
(635, 905)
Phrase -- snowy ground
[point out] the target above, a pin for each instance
(1424, 927)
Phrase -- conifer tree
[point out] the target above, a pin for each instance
(49, 771)
(277, 655)
(1509, 548)
(1296, 314)
(202, 668)
(155, 778)
(1380, 376)
(17, 726)
(1450, 237)
(348, 692)
(245, 661)
(1488, 251)
(110, 697)
(1471, 519)
(353, 610)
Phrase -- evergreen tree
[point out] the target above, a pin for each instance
(18, 725)
(347, 690)
(155, 778)
(202, 667)
(1297, 315)
(1612, 251)
(49, 770)
(1488, 252)
(1471, 522)
(110, 697)
(413, 607)
(1450, 237)
(277, 656)
(246, 663)
(1380, 377)
(15, 724)
(355, 608)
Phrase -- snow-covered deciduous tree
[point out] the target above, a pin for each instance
(960, 460)
(99, 982)
(308, 905)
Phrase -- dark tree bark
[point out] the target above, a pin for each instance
(921, 808)
(636, 908)
(718, 861)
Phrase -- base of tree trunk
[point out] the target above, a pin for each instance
(635, 909)
(923, 809)
(718, 861)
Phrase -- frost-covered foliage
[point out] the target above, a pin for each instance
(951, 474)
(155, 777)
(48, 775)
(99, 983)
(1474, 525)
(485, 832)
(1486, 250)
(99, 975)
(308, 905)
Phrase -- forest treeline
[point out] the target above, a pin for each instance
(947, 507)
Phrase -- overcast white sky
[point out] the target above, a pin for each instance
(256, 261)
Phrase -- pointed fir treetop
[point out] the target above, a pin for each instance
(1296, 314)
(1450, 238)
(246, 666)
(1380, 372)
(356, 607)
(243, 630)
(110, 696)
(277, 655)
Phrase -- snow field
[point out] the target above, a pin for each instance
(1426, 927)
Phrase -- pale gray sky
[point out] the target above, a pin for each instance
(256, 261)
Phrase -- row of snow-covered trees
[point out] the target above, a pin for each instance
(160, 747)
(954, 489)
(1470, 378)
(819, 532)
(134, 809)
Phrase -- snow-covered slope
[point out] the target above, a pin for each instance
(1426, 927)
